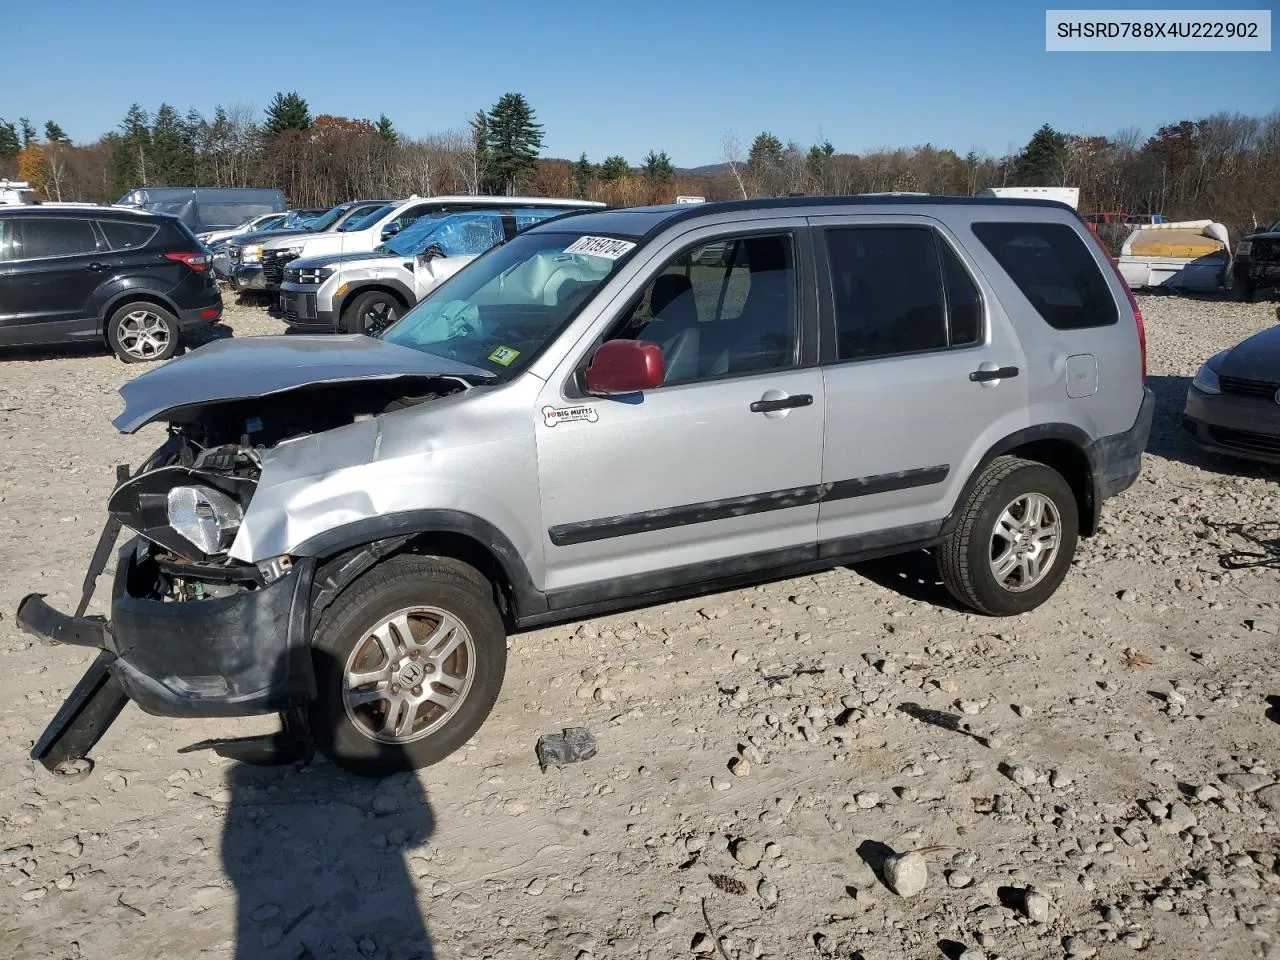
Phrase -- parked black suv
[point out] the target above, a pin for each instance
(1257, 263)
(75, 274)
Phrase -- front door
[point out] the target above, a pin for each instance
(922, 374)
(715, 472)
(57, 269)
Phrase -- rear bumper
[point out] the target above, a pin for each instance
(240, 655)
(1118, 458)
(1233, 426)
(200, 316)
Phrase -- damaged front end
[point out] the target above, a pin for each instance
(193, 631)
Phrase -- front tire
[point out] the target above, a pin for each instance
(409, 662)
(1015, 539)
(372, 312)
(143, 332)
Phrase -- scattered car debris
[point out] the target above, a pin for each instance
(572, 745)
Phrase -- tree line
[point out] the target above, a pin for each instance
(1222, 166)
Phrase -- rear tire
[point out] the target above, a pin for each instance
(143, 332)
(1015, 539)
(1243, 291)
(372, 312)
(376, 712)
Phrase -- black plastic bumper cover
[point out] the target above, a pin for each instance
(241, 655)
(1119, 456)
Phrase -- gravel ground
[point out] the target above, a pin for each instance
(1098, 778)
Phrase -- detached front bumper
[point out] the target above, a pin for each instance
(247, 276)
(240, 655)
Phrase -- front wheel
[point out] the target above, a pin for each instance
(1014, 541)
(142, 332)
(372, 312)
(409, 662)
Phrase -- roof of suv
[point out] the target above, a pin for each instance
(80, 210)
(642, 221)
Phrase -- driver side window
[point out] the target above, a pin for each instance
(724, 308)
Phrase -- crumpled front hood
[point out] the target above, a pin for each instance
(247, 367)
(1257, 358)
(328, 260)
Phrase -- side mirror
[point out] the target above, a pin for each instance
(390, 230)
(625, 366)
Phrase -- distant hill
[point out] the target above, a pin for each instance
(706, 170)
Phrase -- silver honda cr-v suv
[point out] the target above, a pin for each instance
(609, 409)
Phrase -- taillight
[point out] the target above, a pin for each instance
(196, 261)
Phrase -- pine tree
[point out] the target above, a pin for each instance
(817, 162)
(172, 153)
(581, 176)
(54, 134)
(9, 142)
(287, 111)
(614, 168)
(28, 131)
(657, 167)
(1040, 162)
(765, 153)
(386, 131)
(131, 152)
(515, 139)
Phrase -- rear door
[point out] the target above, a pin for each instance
(921, 372)
(59, 265)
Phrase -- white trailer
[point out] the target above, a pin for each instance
(1068, 195)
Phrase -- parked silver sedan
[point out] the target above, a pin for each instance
(1233, 404)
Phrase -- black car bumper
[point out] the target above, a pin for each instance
(1256, 273)
(301, 310)
(200, 316)
(1234, 426)
(247, 276)
(239, 655)
(1118, 458)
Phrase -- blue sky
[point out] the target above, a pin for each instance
(623, 78)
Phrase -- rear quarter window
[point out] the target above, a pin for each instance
(1054, 270)
(127, 236)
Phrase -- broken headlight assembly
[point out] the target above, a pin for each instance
(192, 511)
(207, 518)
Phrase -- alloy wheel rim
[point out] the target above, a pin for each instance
(143, 334)
(381, 313)
(1025, 542)
(408, 675)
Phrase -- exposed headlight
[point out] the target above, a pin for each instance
(1206, 379)
(252, 253)
(206, 517)
(1244, 248)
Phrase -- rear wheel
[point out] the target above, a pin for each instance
(409, 663)
(1243, 290)
(143, 332)
(372, 312)
(1015, 539)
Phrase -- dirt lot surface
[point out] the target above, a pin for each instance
(1100, 779)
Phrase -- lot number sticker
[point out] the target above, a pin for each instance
(504, 356)
(553, 415)
(607, 247)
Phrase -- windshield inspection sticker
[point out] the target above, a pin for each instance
(504, 356)
(553, 415)
(607, 247)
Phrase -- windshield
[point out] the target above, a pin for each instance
(326, 221)
(463, 234)
(500, 311)
(367, 219)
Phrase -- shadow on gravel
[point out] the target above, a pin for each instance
(1171, 442)
(318, 860)
(913, 575)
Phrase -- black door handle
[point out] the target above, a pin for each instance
(982, 376)
(798, 400)
(97, 266)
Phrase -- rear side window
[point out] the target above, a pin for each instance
(63, 237)
(1053, 268)
(127, 236)
(898, 290)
